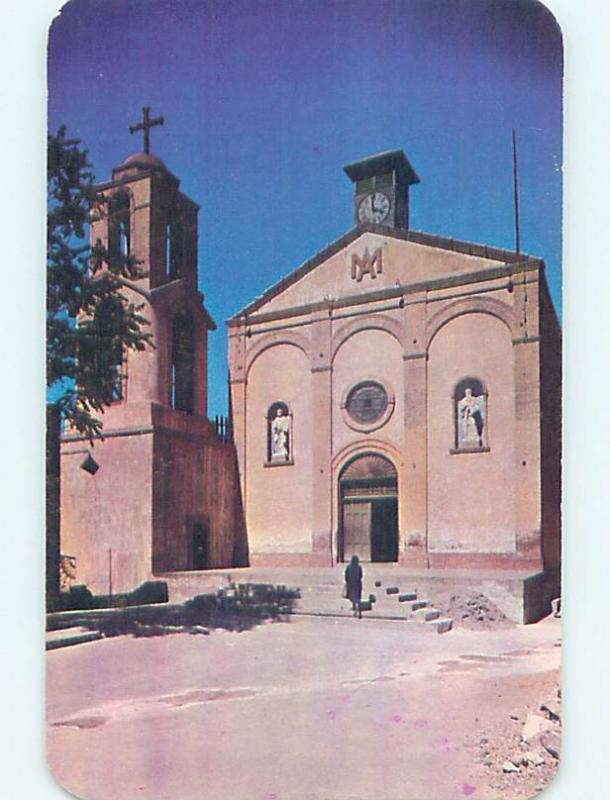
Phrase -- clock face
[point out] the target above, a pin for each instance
(375, 207)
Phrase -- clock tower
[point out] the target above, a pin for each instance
(381, 189)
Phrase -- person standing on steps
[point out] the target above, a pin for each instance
(353, 580)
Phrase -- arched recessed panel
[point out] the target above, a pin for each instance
(274, 340)
(375, 322)
(278, 450)
(367, 388)
(478, 305)
(471, 436)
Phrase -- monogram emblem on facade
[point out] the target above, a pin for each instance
(367, 264)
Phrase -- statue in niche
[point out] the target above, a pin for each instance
(471, 419)
(280, 436)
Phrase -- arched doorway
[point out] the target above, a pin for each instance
(368, 496)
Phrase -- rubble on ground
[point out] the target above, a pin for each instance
(477, 612)
(522, 753)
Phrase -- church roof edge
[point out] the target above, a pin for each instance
(417, 237)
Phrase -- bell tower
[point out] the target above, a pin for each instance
(158, 491)
(381, 189)
(149, 218)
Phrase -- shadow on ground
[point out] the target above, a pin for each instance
(235, 608)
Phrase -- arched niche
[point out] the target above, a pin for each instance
(279, 433)
(470, 414)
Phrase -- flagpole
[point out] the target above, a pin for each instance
(516, 195)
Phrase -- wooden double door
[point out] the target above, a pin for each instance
(368, 492)
(370, 529)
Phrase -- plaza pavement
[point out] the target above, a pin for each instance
(309, 708)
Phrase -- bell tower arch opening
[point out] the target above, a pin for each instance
(119, 225)
(368, 498)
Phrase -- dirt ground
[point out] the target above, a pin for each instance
(308, 709)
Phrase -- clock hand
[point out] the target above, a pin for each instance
(373, 209)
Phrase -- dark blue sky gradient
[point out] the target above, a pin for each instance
(265, 102)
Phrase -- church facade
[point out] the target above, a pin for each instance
(398, 397)
(159, 492)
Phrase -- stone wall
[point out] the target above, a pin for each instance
(106, 516)
(551, 445)
(134, 516)
(195, 483)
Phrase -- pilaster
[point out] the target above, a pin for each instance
(413, 505)
(526, 348)
(321, 403)
(237, 398)
(528, 510)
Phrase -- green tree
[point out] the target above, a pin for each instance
(90, 321)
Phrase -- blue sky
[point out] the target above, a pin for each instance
(265, 102)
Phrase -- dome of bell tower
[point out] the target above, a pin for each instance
(139, 162)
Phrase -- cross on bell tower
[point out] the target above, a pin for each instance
(145, 126)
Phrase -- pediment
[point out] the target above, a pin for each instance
(367, 261)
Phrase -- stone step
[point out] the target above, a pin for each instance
(442, 625)
(426, 614)
(407, 596)
(67, 637)
(419, 604)
(392, 590)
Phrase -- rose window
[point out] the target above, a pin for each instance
(367, 402)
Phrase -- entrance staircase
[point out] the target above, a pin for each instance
(385, 593)
(380, 600)
(67, 637)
